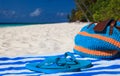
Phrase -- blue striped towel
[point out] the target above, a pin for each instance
(15, 66)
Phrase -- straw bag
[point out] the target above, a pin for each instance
(101, 40)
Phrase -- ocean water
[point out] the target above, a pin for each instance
(12, 25)
(2, 25)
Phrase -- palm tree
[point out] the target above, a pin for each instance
(84, 8)
(76, 1)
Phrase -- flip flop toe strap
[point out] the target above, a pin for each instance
(70, 58)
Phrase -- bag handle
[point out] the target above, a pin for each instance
(112, 24)
(118, 27)
(102, 25)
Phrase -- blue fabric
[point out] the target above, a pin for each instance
(92, 43)
(15, 66)
(118, 23)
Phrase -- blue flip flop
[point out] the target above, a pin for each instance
(67, 63)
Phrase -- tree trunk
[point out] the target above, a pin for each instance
(76, 1)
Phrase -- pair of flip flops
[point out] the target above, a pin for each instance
(67, 63)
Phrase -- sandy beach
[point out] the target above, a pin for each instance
(39, 39)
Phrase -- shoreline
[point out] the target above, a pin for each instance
(37, 39)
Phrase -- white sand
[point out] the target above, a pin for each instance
(40, 39)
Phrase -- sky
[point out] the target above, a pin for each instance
(35, 11)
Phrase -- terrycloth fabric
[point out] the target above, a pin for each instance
(15, 66)
(98, 44)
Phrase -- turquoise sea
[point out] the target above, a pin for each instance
(2, 25)
(12, 25)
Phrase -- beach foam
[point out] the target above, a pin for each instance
(39, 39)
